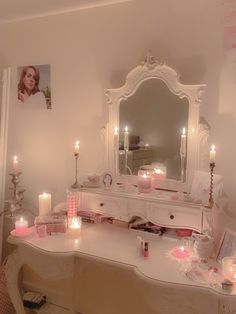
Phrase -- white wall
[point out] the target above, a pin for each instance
(94, 49)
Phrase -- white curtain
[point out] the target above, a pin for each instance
(4, 109)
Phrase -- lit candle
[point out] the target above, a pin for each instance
(44, 204)
(126, 139)
(156, 176)
(75, 225)
(116, 139)
(183, 143)
(15, 164)
(212, 154)
(144, 181)
(229, 267)
(76, 148)
(21, 226)
(180, 252)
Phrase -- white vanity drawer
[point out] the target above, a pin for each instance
(175, 216)
(109, 205)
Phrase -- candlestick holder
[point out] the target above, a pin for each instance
(182, 167)
(127, 168)
(76, 185)
(15, 204)
(211, 201)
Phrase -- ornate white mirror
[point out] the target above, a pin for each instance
(157, 123)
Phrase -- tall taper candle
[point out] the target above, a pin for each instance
(126, 139)
(183, 143)
(76, 148)
(116, 138)
(212, 156)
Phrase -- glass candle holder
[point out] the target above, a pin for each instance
(144, 181)
(158, 175)
(229, 267)
(74, 225)
(182, 250)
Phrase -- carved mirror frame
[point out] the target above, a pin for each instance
(196, 135)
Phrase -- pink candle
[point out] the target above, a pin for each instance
(180, 252)
(21, 226)
(144, 182)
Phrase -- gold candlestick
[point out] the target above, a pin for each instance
(211, 201)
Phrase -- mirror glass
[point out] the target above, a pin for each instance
(155, 118)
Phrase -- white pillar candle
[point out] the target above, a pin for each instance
(212, 154)
(76, 148)
(116, 138)
(44, 204)
(21, 226)
(183, 143)
(15, 164)
(126, 139)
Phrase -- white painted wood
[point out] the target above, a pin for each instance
(4, 111)
(153, 69)
(114, 246)
(156, 207)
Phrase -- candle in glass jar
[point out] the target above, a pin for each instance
(116, 138)
(21, 226)
(44, 204)
(76, 148)
(126, 139)
(74, 226)
(183, 143)
(15, 164)
(156, 176)
(180, 252)
(144, 181)
(212, 154)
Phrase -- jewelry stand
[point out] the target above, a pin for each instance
(15, 203)
(211, 201)
(76, 185)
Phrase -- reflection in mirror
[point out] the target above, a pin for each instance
(155, 118)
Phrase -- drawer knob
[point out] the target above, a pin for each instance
(172, 216)
(101, 204)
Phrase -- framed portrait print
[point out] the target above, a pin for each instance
(107, 180)
(227, 246)
(33, 88)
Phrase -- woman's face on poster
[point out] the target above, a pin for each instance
(29, 80)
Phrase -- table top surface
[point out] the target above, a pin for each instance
(118, 245)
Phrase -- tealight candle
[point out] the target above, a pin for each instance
(180, 252)
(44, 204)
(212, 156)
(76, 148)
(144, 181)
(74, 226)
(21, 226)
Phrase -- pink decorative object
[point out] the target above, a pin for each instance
(158, 175)
(26, 233)
(21, 226)
(180, 252)
(144, 181)
(72, 203)
(183, 232)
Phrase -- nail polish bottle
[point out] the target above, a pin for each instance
(146, 251)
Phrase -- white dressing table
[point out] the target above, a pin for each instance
(53, 257)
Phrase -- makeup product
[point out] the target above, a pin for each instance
(146, 250)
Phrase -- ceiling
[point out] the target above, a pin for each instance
(17, 10)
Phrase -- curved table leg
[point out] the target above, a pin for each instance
(12, 269)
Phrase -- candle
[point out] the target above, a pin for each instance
(144, 181)
(116, 139)
(180, 252)
(21, 226)
(44, 204)
(126, 139)
(212, 154)
(229, 267)
(76, 148)
(156, 176)
(15, 164)
(183, 143)
(75, 225)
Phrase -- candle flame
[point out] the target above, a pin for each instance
(15, 158)
(158, 170)
(21, 219)
(213, 148)
(126, 129)
(182, 249)
(77, 144)
(184, 131)
(116, 130)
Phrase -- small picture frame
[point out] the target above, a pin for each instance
(107, 180)
(227, 246)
